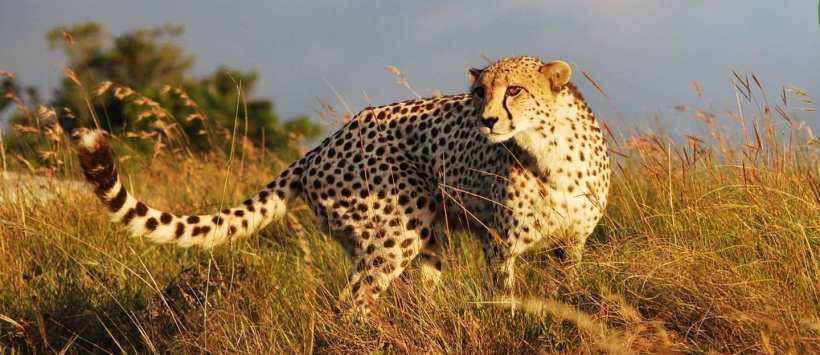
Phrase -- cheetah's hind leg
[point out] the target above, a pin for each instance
(381, 258)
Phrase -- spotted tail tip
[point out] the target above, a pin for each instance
(95, 157)
(90, 140)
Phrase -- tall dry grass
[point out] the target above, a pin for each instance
(709, 244)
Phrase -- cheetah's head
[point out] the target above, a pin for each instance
(514, 94)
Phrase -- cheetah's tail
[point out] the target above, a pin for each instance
(162, 227)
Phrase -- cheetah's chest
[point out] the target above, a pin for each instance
(554, 204)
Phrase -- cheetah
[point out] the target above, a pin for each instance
(520, 160)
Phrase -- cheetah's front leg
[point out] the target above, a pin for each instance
(507, 270)
(500, 262)
(570, 256)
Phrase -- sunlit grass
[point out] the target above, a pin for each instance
(709, 244)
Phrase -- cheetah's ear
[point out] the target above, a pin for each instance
(558, 72)
(473, 74)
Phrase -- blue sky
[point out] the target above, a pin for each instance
(645, 53)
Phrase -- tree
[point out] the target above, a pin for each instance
(10, 89)
(139, 82)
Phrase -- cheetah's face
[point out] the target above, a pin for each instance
(513, 95)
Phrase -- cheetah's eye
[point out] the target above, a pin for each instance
(513, 90)
(478, 92)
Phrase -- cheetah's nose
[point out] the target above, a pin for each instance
(489, 121)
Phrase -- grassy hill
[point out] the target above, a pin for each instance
(709, 244)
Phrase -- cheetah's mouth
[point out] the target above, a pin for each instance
(495, 136)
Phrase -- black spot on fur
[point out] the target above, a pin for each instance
(128, 216)
(151, 224)
(200, 230)
(142, 209)
(180, 230)
(116, 203)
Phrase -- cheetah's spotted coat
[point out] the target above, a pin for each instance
(521, 159)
